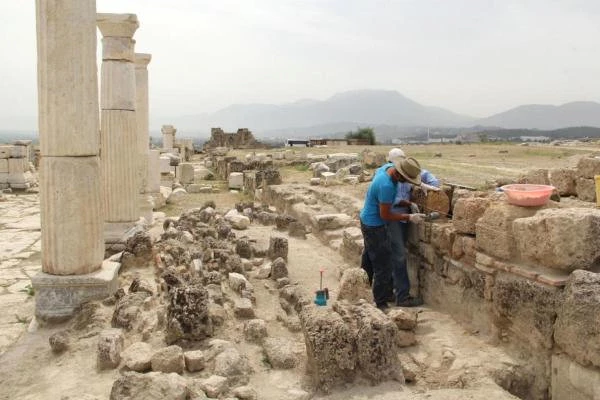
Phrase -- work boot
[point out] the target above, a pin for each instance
(383, 307)
(410, 302)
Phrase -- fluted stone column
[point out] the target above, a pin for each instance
(119, 141)
(143, 135)
(72, 221)
(168, 133)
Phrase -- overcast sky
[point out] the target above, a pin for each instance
(475, 57)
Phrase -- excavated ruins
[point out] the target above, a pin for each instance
(104, 297)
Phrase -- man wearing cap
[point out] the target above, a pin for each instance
(374, 219)
(398, 231)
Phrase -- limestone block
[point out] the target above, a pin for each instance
(237, 281)
(563, 179)
(588, 167)
(19, 152)
(573, 381)
(71, 215)
(535, 177)
(278, 269)
(236, 180)
(4, 178)
(442, 236)
(278, 247)
(280, 353)
(331, 221)
(203, 174)
(232, 365)
(138, 357)
(117, 91)
(242, 308)
(177, 196)
(525, 310)
(5, 151)
(466, 213)
(327, 178)
(194, 360)
(354, 285)
(165, 165)
(577, 329)
(432, 201)
(255, 330)
(214, 386)
(186, 173)
(110, 345)
(245, 393)
(564, 238)
(118, 49)
(586, 189)
(494, 230)
(133, 385)
(168, 359)
(404, 319)
(17, 165)
(237, 220)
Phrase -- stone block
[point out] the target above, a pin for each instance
(586, 189)
(187, 314)
(565, 239)
(5, 151)
(242, 308)
(186, 173)
(577, 329)
(58, 296)
(153, 179)
(17, 165)
(110, 345)
(255, 330)
(331, 221)
(165, 165)
(563, 179)
(494, 230)
(280, 353)
(573, 381)
(466, 213)
(4, 177)
(236, 180)
(442, 236)
(168, 359)
(535, 177)
(194, 360)
(354, 285)
(525, 311)
(588, 167)
(138, 357)
(278, 247)
(117, 91)
(133, 385)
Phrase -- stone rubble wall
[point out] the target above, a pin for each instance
(524, 276)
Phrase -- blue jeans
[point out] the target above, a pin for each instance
(375, 261)
(397, 232)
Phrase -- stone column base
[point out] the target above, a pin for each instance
(58, 296)
(119, 232)
(146, 203)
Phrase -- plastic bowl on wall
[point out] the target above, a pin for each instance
(527, 195)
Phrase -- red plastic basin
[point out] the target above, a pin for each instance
(527, 195)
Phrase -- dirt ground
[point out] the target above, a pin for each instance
(451, 362)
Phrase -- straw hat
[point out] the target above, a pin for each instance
(409, 168)
(395, 153)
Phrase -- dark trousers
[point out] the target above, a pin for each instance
(376, 261)
(398, 231)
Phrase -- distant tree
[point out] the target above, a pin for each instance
(362, 133)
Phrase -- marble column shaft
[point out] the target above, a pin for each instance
(142, 115)
(70, 173)
(118, 118)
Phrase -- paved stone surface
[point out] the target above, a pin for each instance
(19, 261)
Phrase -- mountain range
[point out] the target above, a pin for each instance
(378, 108)
(389, 112)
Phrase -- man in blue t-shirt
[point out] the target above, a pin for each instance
(376, 213)
(398, 231)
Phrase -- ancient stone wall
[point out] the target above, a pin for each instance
(16, 167)
(241, 139)
(523, 276)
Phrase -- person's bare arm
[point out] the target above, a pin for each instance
(386, 214)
